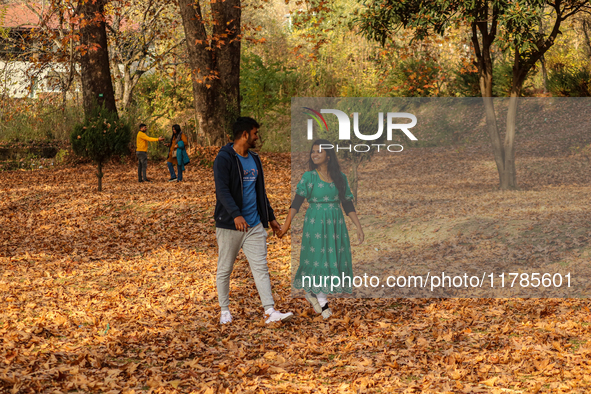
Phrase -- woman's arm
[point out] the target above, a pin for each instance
(184, 139)
(287, 224)
(302, 193)
(355, 220)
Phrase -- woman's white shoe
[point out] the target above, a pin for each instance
(314, 301)
(326, 312)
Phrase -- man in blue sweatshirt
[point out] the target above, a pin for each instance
(242, 212)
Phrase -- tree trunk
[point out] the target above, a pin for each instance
(505, 154)
(118, 86)
(509, 178)
(128, 85)
(543, 61)
(99, 175)
(215, 66)
(495, 138)
(97, 88)
(586, 27)
(485, 71)
(544, 74)
(227, 52)
(125, 82)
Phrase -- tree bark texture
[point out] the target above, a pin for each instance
(97, 88)
(544, 74)
(215, 64)
(586, 25)
(125, 83)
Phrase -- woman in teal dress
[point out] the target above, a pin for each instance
(325, 254)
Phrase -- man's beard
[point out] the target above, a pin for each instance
(251, 143)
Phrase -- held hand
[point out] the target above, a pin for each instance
(241, 224)
(360, 236)
(276, 228)
(284, 228)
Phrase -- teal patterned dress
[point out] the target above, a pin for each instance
(326, 249)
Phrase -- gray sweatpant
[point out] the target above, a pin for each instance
(254, 245)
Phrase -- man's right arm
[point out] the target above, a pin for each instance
(221, 176)
(145, 137)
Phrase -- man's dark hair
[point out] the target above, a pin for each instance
(142, 125)
(243, 124)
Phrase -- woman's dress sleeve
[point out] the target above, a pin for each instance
(303, 191)
(347, 203)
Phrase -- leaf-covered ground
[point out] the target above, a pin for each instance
(115, 293)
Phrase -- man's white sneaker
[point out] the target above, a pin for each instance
(226, 317)
(273, 315)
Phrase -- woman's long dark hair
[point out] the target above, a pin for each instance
(176, 132)
(334, 169)
(176, 128)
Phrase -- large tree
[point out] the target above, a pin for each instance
(512, 24)
(142, 35)
(95, 73)
(213, 46)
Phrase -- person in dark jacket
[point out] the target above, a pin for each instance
(242, 213)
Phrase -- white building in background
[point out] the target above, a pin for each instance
(19, 79)
(20, 75)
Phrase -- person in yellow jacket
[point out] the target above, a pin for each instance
(141, 152)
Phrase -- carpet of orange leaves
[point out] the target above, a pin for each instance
(115, 293)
